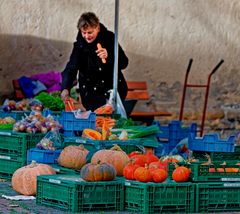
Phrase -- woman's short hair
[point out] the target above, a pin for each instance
(88, 19)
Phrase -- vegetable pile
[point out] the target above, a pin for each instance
(51, 101)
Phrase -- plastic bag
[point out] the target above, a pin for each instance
(51, 141)
(119, 108)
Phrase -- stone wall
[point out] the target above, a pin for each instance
(159, 37)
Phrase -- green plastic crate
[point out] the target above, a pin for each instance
(218, 156)
(217, 197)
(126, 145)
(88, 144)
(71, 193)
(62, 170)
(16, 143)
(216, 172)
(130, 145)
(8, 165)
(166, 197)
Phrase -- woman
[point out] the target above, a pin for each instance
(93, 57)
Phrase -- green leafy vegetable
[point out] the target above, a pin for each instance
(52, 102)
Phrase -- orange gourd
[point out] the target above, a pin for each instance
(91, 134)
(158, 175)
(129, 169)
(24, 179)
(150, 157)
(158, 164)
(98, 172)
(181, 173)
(73, 157)
(139, 159)
(114, 156)
(142, 174)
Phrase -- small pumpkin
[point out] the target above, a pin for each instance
(143, 174)
(129, 169)
(73, 157)
(159, 164)
(24, 179)
(150, 157)
(181, 173)
(139, 159)
(91, 134)
(158, 175)
(98, 172)
(114, 156)
(130, 155)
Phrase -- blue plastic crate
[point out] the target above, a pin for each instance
(17, 115)
(55, 114)
(43, 156)
(211, 142)
(70, 123)
(174, 132)
(162, 149)
(72, 133)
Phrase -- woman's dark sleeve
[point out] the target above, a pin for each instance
(123, 59)
(69, 74)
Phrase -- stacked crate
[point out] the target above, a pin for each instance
(167, 197)
(71, 193)
(138, 144)
(73, 126)
(13, 151)
(17, 115)
(170, 135)
(217, 185)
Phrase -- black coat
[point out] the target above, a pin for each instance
(95, 78)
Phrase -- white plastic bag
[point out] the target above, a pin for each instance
(119, 108)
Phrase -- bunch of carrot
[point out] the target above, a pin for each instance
(105, 109)
(110, 123)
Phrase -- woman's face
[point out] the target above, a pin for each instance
(90, 33)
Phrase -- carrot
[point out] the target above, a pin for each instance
(99, 46)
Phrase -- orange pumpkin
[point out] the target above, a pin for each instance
(73, 157)
(150, 157)
(129, 169)
(24, 179)
(181, 174)
(142, 174)
(139, 159)
(98, 172)
(114, 156)
(158, 175)
(159, 164)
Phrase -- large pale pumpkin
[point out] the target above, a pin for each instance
(24, 179)
(98, 172)
(114, 156)
(73, 157)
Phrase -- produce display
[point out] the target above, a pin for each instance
(51, 101)
(143, 167)
(36, 123)
(132, 132)
(10, 105)
(7, 123)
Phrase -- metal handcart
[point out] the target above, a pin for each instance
(204, 86)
